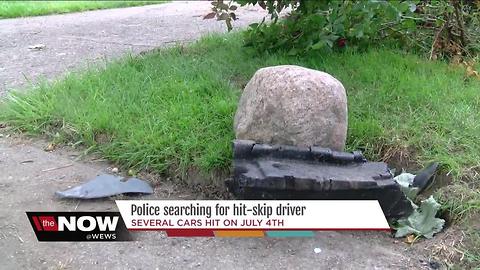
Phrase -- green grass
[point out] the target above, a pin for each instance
(172, 110)
(13, 9)
(472, 250)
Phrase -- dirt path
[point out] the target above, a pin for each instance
(25, 186)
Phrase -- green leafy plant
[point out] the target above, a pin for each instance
(223, 12)
(422, 222)
(405, 180)
(335, 25)
(441, 28)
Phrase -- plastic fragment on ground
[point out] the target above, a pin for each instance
(106, 185)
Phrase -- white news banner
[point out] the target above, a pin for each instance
(253, 214)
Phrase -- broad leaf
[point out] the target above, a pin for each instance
(405, 180)
(422, 222)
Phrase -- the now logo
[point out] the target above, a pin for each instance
(78, 226)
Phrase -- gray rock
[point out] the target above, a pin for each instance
(293, 105)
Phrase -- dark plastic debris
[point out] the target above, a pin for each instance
(424, 179)
(106, 185)
(263, 171)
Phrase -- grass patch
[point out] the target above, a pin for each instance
(460, 200)
(14, 9)
(173, 109)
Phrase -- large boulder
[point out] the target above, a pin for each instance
(293, 105)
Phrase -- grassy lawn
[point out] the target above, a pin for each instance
(13, 9)
(172, 110)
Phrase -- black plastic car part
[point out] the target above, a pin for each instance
(263, 171)
(106, 185)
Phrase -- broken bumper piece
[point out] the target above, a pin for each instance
(263, 171)
(106, 185)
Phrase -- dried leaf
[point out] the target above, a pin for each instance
(471, 72)
(456, 59)
(410, 239)
(50, 147)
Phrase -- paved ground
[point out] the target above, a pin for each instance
(71, 39)
(26, 186)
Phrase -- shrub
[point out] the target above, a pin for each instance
(441, 28)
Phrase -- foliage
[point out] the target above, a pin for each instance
(461, 200)
(405, 180)
(422, 222)
(450, 28)
(441, 28)
(339, 23)
(223, 12)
